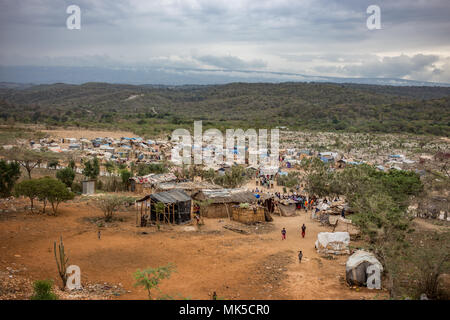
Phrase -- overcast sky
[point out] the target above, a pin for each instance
(313, 37)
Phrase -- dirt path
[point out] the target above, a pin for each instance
(236, 266)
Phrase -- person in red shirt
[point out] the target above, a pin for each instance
(303, 230)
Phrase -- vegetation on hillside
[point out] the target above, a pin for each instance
(151, 110)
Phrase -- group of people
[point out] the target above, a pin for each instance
(265, 181)
(303, 231)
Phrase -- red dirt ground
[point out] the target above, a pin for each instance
(236, 266)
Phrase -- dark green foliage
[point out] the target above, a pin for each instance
(28, 188)
(145, 169)
(91, 169)
(290, 181)
(9, 174)
(66, 176)
(233, 178)
(125, 175)
(42, 290)
(151, 277)
(44, 189)
(55, 192)
(312, 106)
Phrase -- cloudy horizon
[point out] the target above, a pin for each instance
(323, 38)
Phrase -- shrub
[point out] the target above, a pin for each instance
(9, 173)
(151, 277)
(66, 176)
(111, 203)
(42, 290)
(29, 189)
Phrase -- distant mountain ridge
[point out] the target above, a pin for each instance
(176, 76)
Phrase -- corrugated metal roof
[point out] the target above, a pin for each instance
(226, 195)
(171, 196)
(155, 178)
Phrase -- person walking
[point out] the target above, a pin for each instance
(283, 234)
(300, 256)
(303, 230)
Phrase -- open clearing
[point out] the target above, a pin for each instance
(237, 266)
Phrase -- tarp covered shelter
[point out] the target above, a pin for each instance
(356, 267)
(333, 242)
(147, 183)
(177, 207)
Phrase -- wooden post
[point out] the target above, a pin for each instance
(228, 212)
(173, 213)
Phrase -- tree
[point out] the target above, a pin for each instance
(431, 260)
(91, 169)
(318, 178)
(145, 169)
(110, 167)
(29, 159)
(151, 277)
(380, 200)
(29, 189)
(72, 164)
(53, 164)
(232, 179)
(110, 204)
(66, 176)
(125, 175)
(9, 174)
(55, 192)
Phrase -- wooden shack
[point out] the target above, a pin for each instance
(250, 215)
(147, 184)
(189, 187)
(176, 208)
(221, 200)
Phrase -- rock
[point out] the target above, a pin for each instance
(423, 296)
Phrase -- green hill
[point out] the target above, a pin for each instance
(311, 106)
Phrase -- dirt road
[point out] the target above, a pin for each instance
(237, 266)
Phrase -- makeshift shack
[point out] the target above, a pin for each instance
(147, 184)
(248, 214)
(356, 267)
(287, 207)
(189, 187)
(176, 208)
(220, 201)
(333, 243)
(340, 224)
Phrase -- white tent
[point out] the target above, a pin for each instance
(356, 267)
(333, 242)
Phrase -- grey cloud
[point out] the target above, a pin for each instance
(326, 36)
(419, 66)
(231, 62)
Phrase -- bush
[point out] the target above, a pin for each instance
(42, 290)
(9, 173)
(151, 277)
(44, 189)
(112, 203)
(66, 176)
(29, 189)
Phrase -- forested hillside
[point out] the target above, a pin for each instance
(312, 106)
